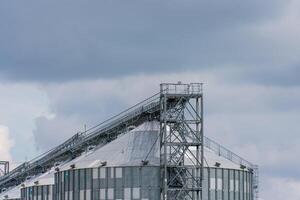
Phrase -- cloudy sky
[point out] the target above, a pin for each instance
(67, 63)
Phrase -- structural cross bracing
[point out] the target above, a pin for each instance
(181, 128)
(4, 168)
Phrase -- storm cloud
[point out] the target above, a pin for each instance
(68, 40)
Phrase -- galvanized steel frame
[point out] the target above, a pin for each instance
(103, 133)
(5, 167)
(181, 128)
(149, 109)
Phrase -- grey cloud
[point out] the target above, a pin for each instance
(225, 42)
(269, 139)
(51, 132)
(284, 76)
(72, 106)
(69, 40)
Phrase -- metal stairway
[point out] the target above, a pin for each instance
(148, 109)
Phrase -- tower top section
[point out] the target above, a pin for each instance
(191, 89)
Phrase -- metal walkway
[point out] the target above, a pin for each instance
(148, 109)
(101, 133)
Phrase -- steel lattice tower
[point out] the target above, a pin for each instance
(181, 126)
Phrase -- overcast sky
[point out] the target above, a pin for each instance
(67, 63)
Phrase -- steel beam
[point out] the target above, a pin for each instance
(181, 129)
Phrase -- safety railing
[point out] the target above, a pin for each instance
(226, 153)
(78, 139)
(179, 88)
(229, 155)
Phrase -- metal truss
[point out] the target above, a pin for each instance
(102, 133)
(255, 184)
(4, 168)
(181, 126)
(179, 107)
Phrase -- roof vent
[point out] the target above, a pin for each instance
(130, 128)
(145, 162)
(243, 166)
(217, 164)
(36, 182)
(72, 166)
(90, 148)
(104, 163)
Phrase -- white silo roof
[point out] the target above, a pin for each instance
(141, 143)
(46, 178)
(131, 148)
(11, 193)
(211, 158)
(127, 150)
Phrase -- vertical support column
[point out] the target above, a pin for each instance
(198, 171)
(202, 146)
(181, 126)
(255, 182)
(5, 167)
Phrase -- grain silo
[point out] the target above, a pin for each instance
(39, 187)
(155, 150)
(129, 168)
(42, 186)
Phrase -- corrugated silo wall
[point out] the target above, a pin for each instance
(108, 183)
(9, 199)
(144, 183)
(227, 184)
(42, 192)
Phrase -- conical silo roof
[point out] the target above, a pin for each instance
(129, 149)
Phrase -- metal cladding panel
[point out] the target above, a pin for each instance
(227, 184)
(41, 192)
(10, 199)
(140, 182)
(143, 183)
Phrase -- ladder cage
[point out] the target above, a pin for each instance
(181, 127)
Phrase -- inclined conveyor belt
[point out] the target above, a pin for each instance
(146, 110)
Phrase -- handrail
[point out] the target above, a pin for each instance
(226, 153)
(229, 155)
(179, 88)
(148, 105)
(80, 138)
